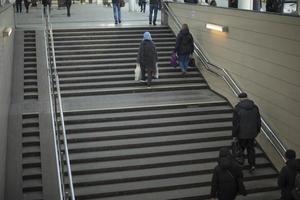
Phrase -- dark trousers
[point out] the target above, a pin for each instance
(150, 74)
(68, 5)
(19, 6)
(249, 145)
(153, 11)
(143, 6)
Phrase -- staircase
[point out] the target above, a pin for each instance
(129, 142)
(30, 66)
(31, 158)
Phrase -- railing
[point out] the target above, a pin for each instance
(61, 149)
(223, 73)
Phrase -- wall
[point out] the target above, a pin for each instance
(6, 63)
(262, 53)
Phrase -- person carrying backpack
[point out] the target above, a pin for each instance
(227, 179)
(184, 47)
(289, 176)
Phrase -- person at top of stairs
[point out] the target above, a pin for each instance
(147, 57)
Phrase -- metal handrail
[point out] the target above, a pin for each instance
(267, 131)
(57, 100)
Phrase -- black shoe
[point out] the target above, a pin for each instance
(252, 169)
(116, 22)
(154, 23)
(119, 21)
(150, 23)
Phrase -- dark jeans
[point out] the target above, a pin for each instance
(249, 145)
(153, 7)
(19, 6)
(68, 5)
(143, 7)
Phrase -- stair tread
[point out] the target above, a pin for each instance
(156, 141)
(98, 114)
(171, 150)
(152, 162)
(158, 173)
(135, 122)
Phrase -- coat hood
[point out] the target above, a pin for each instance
(224, 163)
(184, 31)
(147, 36)
(246, 104)
(224, 152)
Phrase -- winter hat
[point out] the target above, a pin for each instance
(290, 154)
(147, 36)
(243, 95)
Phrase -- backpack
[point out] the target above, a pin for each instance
(296, 190)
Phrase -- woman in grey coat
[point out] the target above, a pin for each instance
(147, 58)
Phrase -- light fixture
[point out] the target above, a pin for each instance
(7, 31)
(216, 27)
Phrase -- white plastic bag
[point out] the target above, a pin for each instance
(156, 75)
(137, 72)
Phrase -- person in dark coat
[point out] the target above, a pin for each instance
(147, 57)
(19, 6)
(227, 179)
(286, 178)
(184, 47)
(142, 4)
(117, 11)
(26, 4)
(68, 5)
(154, 5)
(246, 126)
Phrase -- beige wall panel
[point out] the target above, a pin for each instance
(279, 90)
(262, 53)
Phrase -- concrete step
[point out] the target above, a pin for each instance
(144, 113)
(82, 86)
(141, 143)
(116, 30)
(125, 154)
(85, 136)
(104, 41)
(36, 195)
(32, 185)
(129, 166)
(141, 89)
(92, 45)
(105, 51)
(105, 56)
(154, 36)
(128, 77)
(149, 123)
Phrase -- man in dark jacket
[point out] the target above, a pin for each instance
(154, 5)
(246, 126)
(147, 57)
(286, 178)
(227, 179)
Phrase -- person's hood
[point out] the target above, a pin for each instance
(247, 104)
(292, 164)
(147, 36)
(184, 31)
(224, 162)
(224, 152)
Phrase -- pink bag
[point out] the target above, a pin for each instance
(173, 60)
